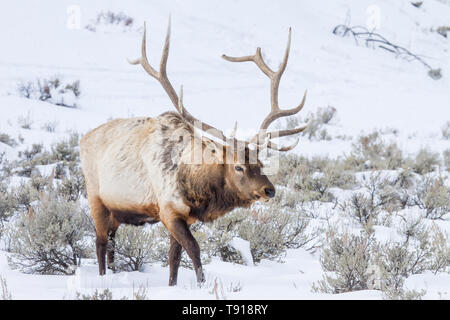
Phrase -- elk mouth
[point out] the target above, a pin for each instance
(258, 197)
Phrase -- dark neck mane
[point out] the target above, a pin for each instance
(204, 190)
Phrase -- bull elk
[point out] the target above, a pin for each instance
(141, 170)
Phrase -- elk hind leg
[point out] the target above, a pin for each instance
(174, 260)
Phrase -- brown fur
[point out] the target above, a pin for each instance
(205, 191)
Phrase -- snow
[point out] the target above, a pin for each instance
(370, 88)
(243, 247)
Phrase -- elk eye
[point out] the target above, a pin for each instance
(238, 168)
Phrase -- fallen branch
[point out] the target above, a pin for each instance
(372, 39)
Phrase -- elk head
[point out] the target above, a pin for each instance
(239, 159)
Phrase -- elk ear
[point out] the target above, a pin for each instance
(215, 148)
(214, 151)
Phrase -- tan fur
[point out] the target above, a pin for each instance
(118, 160)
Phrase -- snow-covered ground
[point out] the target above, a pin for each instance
(370, 89)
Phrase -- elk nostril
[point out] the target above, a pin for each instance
(270, 192)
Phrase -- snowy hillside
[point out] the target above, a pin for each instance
(370, 88)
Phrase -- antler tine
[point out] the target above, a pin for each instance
(283, 133)
(272, 145)
(165, 54)
(161, 76)
(276, 112)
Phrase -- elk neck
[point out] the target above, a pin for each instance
(206, 192)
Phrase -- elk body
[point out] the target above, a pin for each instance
(149, 170)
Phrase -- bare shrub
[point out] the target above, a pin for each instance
(376, 195)
(51, 238)
(25, 122)
(50, 126)
(345, 258)
(290, 166)
(106, 294)
(25, 195)
(403, 294)
(313, 187)
(272, 230)
(433, 196)
(133, 248)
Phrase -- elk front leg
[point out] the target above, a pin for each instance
(180, 231)
(174, 260)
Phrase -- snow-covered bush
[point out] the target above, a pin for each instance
(51, 238)
(358, 262)
(6, 167)
(443, 30)
(311, 179)
(217, 237)
(375, 195)
(30, 158)
(50, 126)
(316, 121)
(422, 249)
(138, 294)
(25, 122)
(371, 152)
(106, 294)
(446, 131)
(433, 195)
(110, 18)
(446, 155)
(8, 203)
(67, 150)
(64, 154)
(7, 139)
(72, 185)
(426, 161)
(25, 194)
(55, 90)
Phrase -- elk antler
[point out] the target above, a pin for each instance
(275, 112)
(161, 76)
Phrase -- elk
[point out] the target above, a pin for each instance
(142, 170)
